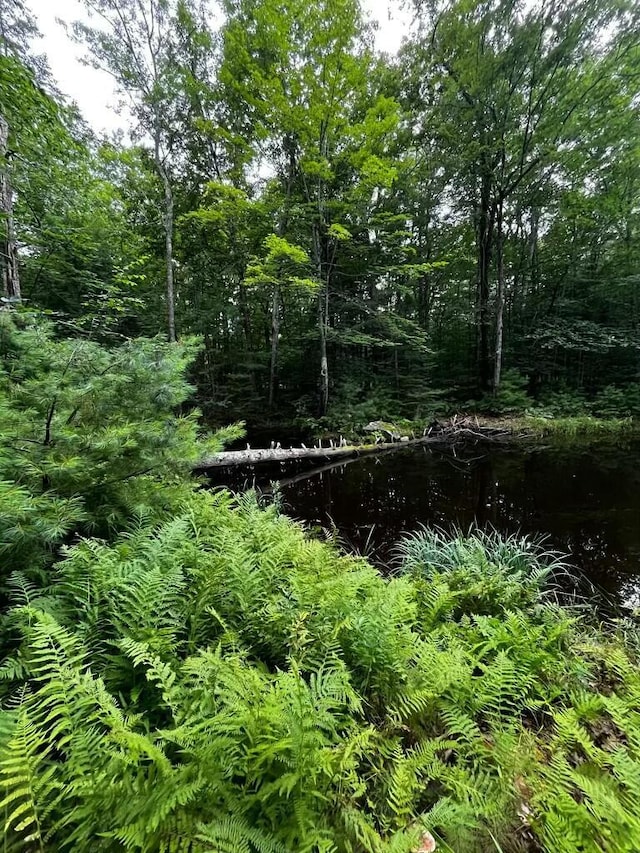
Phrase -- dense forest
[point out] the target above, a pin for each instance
(352, 235)
(302, 230)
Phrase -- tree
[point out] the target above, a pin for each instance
(17, 28)
(508, 88)
(86, 432)
(8, 247)
(134, 42)
(300, 72)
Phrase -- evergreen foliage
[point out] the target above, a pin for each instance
(86, 433)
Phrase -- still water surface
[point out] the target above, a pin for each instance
(586, 499)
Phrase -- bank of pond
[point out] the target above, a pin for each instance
(583, 495)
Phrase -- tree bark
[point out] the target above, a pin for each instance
(484, 239)
(497, 365)
(464, 431)
(8, 247)
(323, 295)
(324, 361)
(275, 337)
(168, 242)
(290, 148)
(323, 314)
(168, 228)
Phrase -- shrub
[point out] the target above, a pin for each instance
(87, 433)
(613, 402)
(563, 402)
(511, 399)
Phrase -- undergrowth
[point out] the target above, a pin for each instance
(200, 675)
(220, 682)
(578, 427)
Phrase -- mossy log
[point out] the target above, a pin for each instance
(452, 433)
(281, 454)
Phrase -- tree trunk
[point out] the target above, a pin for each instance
(323, 278)
(484, 239)
(323, 314)
(497, 365)
(290, 149)
(168, 241)
(168, 229)
(275, 336)
(324, 362)
(8, 247)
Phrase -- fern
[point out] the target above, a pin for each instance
(327, 715)
(29, 790)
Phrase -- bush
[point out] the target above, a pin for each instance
(86, 435)
(613, 402)
(511, 399)
(562, 402)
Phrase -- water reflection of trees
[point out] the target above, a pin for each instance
(588, 504)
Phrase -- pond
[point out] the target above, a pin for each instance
(586, 499)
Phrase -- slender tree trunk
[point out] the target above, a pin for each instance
(484, 239)
(8, 247)
(323, 295)
(324, 361)
(209, 364)
(168, 241)
(396, 369)
(168, 229)
(275, 336)
(497, 366)
(323, 306)
(290, 149)
(323, 315)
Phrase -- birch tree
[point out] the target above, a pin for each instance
(133, 41)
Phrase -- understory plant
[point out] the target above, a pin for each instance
(87, 434)
(194, 673)
(219, 682)
(484, 571)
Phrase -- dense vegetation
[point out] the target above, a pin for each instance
(353, 235)
(204, 677)
(302, 228)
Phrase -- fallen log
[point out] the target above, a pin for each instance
(281, 454)
(452, 434)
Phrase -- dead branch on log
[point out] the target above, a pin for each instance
(457, 431)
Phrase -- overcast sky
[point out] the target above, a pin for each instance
(93, 90)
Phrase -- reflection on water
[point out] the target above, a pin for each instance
(587, 500)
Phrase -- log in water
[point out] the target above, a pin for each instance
(455, 432)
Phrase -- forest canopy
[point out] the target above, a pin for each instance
(352, 234)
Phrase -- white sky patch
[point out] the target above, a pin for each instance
(94, 91)
(393, 23)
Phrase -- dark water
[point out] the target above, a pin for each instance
(586, 499)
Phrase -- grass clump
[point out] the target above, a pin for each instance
(578, 427)
(484, 571)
